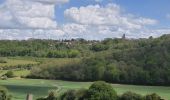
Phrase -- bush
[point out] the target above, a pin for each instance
(153, 96)
(131, 96)
(51, 96)
(74, 95)
(101, 91)
(9, 74)
(69, 95)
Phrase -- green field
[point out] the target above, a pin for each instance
(14, 62)
(40, 88)
(17, 73)
(19, 88)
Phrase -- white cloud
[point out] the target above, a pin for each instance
(29, 13)
(107, 21)
(19, 34)
(110, 15)
(24, 19)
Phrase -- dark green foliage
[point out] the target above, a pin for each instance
(69, 95)
(101, 91)
(131, 96)
(63, 54)
(153, 96)
(43, 48)
(99, 47)
(141, 61)
(51, 96)
(97, 91)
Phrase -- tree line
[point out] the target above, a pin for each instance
(140, 61)
(44, 48)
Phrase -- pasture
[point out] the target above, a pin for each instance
(17, 73)
(15, 62)
(39, 88)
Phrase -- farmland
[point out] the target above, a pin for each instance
(15, 62)
(40, 88)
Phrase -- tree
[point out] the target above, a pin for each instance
(101, 91)
(99, 47)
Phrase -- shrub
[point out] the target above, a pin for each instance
(101, 91)
(9, 74)
(51, 96)
(69, 95)
(153, 96)
(74, 95)
(131, 96)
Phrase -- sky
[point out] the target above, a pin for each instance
(88, 19)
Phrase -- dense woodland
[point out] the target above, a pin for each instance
(130, 61)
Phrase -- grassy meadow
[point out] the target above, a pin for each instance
(15, 62)
(20, 87)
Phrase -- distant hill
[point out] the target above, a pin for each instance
(131, 61)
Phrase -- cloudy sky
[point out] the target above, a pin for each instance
(88, 19)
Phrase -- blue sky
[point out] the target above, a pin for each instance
(156, 9)
(89, 19)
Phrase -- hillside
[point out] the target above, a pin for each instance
(141, 61)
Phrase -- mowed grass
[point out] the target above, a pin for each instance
(40, 88)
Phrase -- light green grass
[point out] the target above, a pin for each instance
(14, 62)
(17, 73)
(2, 72)
(21, 72)
(40, 88)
